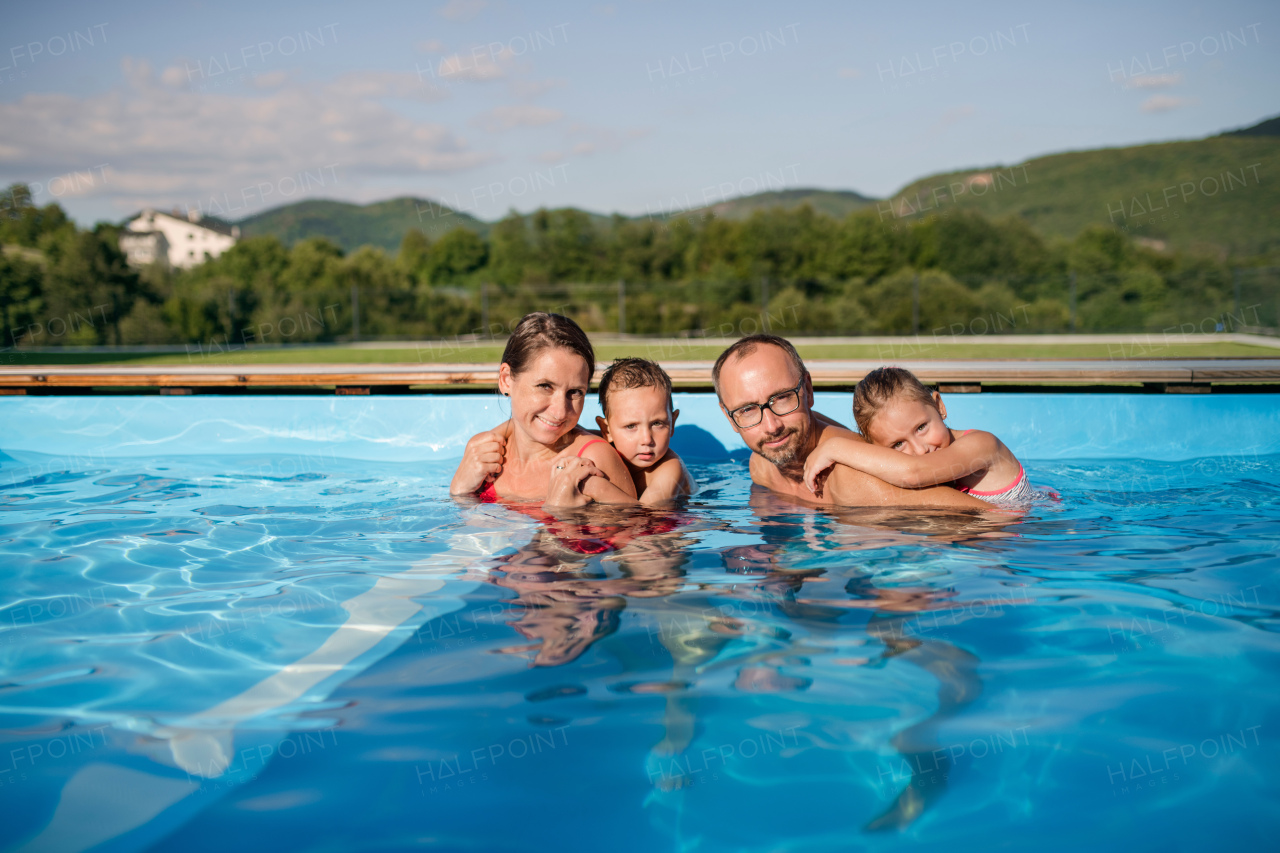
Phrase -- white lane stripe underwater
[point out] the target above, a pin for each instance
(201, 744)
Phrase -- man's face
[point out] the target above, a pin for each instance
(757, 378)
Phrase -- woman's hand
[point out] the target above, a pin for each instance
(481, 463)
(568, 473)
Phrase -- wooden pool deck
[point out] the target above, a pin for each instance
(1170, 375)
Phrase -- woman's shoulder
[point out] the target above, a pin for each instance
(584, 437)
(502, 430)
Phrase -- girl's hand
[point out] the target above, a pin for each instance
(568, 473)
(818, 467)
(481, 463)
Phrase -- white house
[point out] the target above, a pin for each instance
(189, 238)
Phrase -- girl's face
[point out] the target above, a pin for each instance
(547, 397)
(911, 426)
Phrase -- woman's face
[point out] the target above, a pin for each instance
(547, 397)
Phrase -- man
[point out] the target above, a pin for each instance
(767, 394)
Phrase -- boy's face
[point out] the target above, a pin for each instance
(912, 427)
(639, 425)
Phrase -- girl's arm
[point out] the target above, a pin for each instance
(668, 481)
(975, 451)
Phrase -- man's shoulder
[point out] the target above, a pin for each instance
(847, 486)
(831, 429)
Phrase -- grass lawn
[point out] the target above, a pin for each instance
(657, 350)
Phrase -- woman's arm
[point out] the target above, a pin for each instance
(975, 451)
(616, 486)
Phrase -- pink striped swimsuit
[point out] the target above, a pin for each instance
(1016, 495)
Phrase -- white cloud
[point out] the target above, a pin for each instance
(954, 115)
(431, 46)
(529, 89)
(462, 10)
(850, 73)
(1164, 103)
(473, 67)
(1154, 81)
(269, 79)
(505, 118)
(584, 141)
(163, 145)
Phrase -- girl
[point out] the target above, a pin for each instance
(907, 444)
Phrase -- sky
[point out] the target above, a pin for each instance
(231, 108)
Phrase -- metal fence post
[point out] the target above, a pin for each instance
(622, 307)
(1073, 300)
(915, 304)
(764, 303)
(1235, 275)
(355, 312)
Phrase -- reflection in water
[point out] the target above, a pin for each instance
(567, 599)
(574, 579)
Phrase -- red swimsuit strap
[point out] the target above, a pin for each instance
(589, 443)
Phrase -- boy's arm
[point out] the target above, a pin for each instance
(668, 480)
(615, 487)
(976, 451)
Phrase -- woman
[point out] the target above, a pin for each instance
(541, 453)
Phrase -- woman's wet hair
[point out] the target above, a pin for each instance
(540, 331)
(627, 373)
(880, 386)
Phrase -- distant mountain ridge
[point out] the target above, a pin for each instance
(382, 224)
(1214, 195)
(1208, 194)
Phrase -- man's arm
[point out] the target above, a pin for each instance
(850, 487)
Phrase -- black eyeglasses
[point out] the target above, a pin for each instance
(782, 403)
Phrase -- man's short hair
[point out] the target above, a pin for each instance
(627, 373)
(744, 347)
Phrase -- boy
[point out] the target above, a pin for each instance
(638, 421)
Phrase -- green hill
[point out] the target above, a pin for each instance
(834, 203)
(1216, 194)
(1212, 195)
(381, 224)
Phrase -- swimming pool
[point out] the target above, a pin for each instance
(261, 623)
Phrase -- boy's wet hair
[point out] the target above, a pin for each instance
(882, 385)
(627, 373)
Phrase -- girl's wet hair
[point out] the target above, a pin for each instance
(540, 331)
(627, 373)
(882, 385)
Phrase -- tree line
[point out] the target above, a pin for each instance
(959, 271)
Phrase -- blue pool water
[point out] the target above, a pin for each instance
(261, 623)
